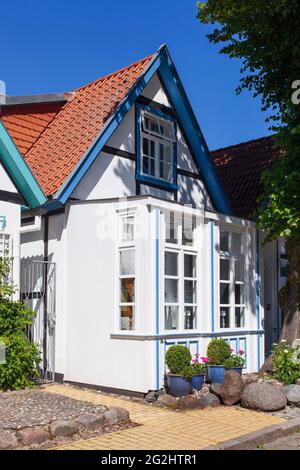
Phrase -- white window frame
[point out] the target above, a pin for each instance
(157, 139)
(125, 245)
(232, 257)
(181, 250)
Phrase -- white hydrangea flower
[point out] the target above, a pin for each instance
(285, 351)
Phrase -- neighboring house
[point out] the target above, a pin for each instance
(240, 168)
(17, 187)
(139, 247)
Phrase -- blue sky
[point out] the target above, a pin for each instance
(53, 46)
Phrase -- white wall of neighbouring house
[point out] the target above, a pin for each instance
(111, 176)
(11, 212)
(32, 249)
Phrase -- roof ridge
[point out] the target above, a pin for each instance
(114, 73)
(267, 137)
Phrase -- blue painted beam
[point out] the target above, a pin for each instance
(18, 170)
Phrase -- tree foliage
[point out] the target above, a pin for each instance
(21, 356)
(265, 36)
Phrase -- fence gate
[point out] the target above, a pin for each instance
(38, 284)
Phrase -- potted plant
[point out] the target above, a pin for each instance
(218, 351)
(199, 372)
(235, 362)
(178, 360)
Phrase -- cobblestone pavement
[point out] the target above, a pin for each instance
(33, 408)
(163, 429)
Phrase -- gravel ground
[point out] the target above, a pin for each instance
(291, 442)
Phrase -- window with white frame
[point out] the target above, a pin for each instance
(232, 280)
(180, 273)
(127, 273)
(157, 146)
(127, 289)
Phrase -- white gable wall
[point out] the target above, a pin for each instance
(112, 176)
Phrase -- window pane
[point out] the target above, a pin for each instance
(239, 270)
(224, 241)
(127, 290)
(236, 243)
(190, 318)
(127, 318)
(146, 146)
(188, 226)
(128, 228)
(190, 294)
(190, 266)
(171, 263)
(224, 293)
(239, 294)
(171, 290)
(239, 317)
(171, 228)
(127, 262)
(171, 318)
(224, 270)
(224, 317)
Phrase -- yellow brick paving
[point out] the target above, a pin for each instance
(162, 429)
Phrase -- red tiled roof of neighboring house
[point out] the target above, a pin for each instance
(25, 123)
(61, 146)
(240, 167)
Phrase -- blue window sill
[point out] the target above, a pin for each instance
(160, 184)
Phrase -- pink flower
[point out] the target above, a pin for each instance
(196, 355)
(231, 350)
(195, 361)
(204, 359)
(241, 352)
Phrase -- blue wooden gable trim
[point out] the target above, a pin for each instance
(161, 62)
(18, 171)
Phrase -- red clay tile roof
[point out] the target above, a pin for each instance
(63, 143)
(25, 123)
(240, 167)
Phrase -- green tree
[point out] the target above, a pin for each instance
(265, 36)
(22, 357)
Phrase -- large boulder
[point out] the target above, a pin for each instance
(165, 401)
(264, 397)
(61, 428)
(232, 388)
(90, 422)
(8, 439)
(208, 400)
(30, 436)
(292, 393)
(230, 392)
(187, 403)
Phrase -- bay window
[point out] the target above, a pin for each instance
(232, 280)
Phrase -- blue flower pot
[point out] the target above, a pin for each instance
(216, 374)
(239, 370)
(197, 381)
(178, 386)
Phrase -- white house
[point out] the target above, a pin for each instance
(138, 247)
